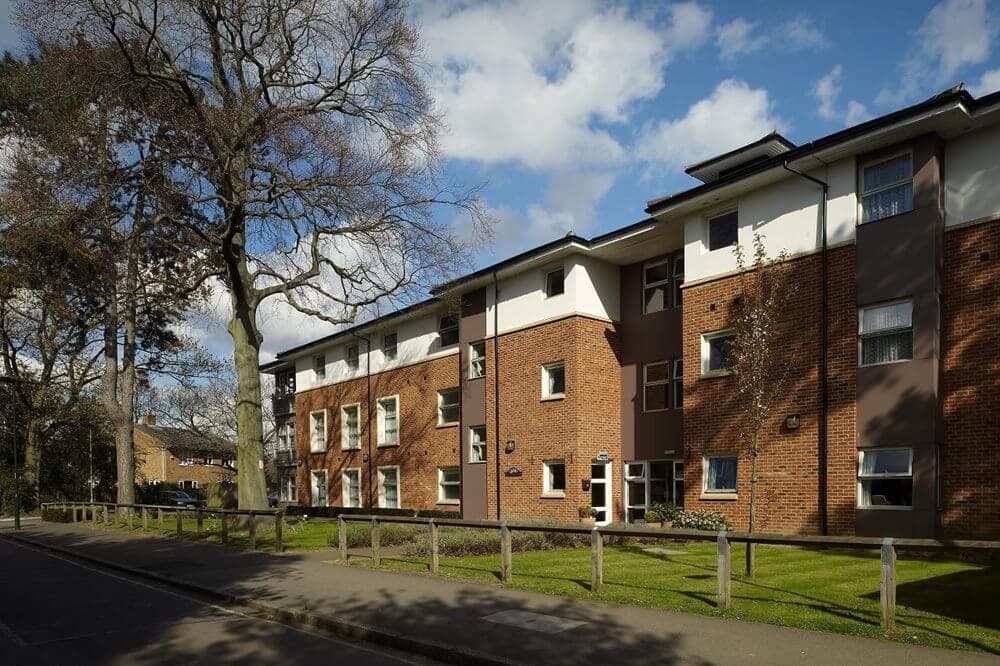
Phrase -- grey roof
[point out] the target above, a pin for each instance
(189, 441)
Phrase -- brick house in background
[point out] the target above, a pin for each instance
(180, 456)
(593, 372)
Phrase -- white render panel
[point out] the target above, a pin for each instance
(971, 174)
(598, 291)
(785, 213)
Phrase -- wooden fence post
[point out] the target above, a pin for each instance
(74, 513)
(435, 546)
(376, 543)
(724, 572)
(93, 514)
(179, 518)
(198, 519)
(252, 531)
(107, 515)
(278, 523)
(887, 588)
(159, 519)
(596, 560)
(145, 519)
(225, 526)
(505, 556)
(131, 514)
(342, 538)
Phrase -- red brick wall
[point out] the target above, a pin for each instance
(574, 429)
(424, 447)
(788, 487)
(970, 340)
(149, 465)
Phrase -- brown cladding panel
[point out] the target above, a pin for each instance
(472, 328)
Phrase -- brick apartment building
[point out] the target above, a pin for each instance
(180, 456)
(594, 372)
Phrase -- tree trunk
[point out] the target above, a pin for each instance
(251, 484)
(32, 464)
(751, 558)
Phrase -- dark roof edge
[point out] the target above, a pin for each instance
(955, 94)
(773, 135)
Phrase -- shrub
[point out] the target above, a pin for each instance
(662, 512)
(463, 542)
(359, 535)
(53, 515)
(702, 520)
(587, 512)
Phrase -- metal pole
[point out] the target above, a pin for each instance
(17, 476)
(90, 480)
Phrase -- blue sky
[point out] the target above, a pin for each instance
(576, 112)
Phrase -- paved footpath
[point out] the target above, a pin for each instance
(482, 622)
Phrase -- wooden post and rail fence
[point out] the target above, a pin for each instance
(125, 514)
(887, 546)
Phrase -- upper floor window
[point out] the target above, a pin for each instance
(555, 282)
(449, 406)
(554, 380)
(388, 421)
(886, 333)
(350, 435)
(319, 367)
(448, 330)
(477, 444)
(678, 380)
(389, 346)
(353, 356)
(284, 383)
(317, 431)
(887, 188)
(716, 352)
(656, 286)
(228, 460)
(477, 360)
(655, 381)
(723, 230)
(187, 460)
(286, 436)
(885, 478)
(678, 279)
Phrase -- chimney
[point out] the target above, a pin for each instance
(149, 420)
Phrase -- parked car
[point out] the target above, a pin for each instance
(181, 498)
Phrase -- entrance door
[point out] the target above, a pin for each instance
(600, 492)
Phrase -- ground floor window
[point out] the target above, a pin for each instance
(286, 484)
(719, 474)
(449, 485)
(319, 487)
(351, 482)
(650, 482)
(188, 485)
(388, 487)
(885, 479)
(554, 477)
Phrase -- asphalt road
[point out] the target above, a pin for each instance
(58, 611)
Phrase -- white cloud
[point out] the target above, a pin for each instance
(800, 33)
(856, 113)
(954, 34)
(988, 82)
(540, 84)
(826, 91)
(738, 38)
(734, 114)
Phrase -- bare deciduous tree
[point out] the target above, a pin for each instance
(310, 142)
(758, 357)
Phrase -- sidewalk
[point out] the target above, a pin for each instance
(476, 618)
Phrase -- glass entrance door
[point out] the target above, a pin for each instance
(600, 491)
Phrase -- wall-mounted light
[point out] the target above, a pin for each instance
(792, 422)
(509, 448)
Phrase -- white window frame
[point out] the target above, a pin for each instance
(706, 339)
(286, 435)
(870, 477)
(659, 382)
(440, 397)
(547, 489)
(228, 460)
(474, 358)
(394, 347)
(207, 461)
(312, 432)
(665, 283)
(314, 487)
(677, 379)
(546, 369)
(708, 228)
(344, 487)
(381, 487)
(186, 461)
(382, 441)
(549, 273)
(882, 188)
(716, 492)
(474, 444)
(441, 328)
(319, 368)
(352, 355)
(292, 494)
(344, 434)
(442, 483)
(863, 335)
(188, 484)
(676, 299)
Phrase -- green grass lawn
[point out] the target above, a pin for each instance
(939, 602)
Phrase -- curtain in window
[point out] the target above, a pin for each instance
(894, 461)
(885, 173)
(887, 348)
(722, 474)
(390, 421)
(886, 203)
(887, 317)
